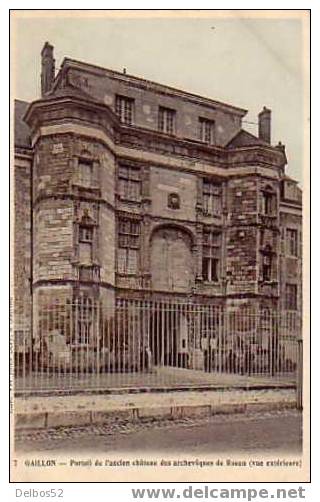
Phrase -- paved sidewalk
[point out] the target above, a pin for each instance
(159, 378)
(68, 410)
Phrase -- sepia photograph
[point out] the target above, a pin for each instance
(159, 245)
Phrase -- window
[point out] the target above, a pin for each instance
(85, 172)
(211, 198)
(85, 244)
(124, 109)
(207, 130)
(211, 247)
(291, 296)
(292, 241)
(85, 233)
(128, 246)
(129, 183)
(268, 202)
(267, 264)
(167, 120)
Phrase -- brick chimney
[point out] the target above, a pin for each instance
(47, 68)
(264, 119)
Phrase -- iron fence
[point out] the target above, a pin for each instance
(82, 344)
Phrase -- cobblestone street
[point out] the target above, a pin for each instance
(269, 432)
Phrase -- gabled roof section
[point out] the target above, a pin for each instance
(69, 91)
(244, 138)
(21, 130)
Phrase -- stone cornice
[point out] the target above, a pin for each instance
(101, 122)
(191, 165)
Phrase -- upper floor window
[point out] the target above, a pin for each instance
(211, 250)
(211, 198)
(292, 241)
(85, 244)
(291, 297)
(207, 130)
(85, 233)
(167, 118)
(129, 179)
(128, 245)
(268, 202)
(124, 109)
(85, 172)
(267, 258)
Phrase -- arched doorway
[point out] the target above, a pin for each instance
(172, 270)
(172, 267)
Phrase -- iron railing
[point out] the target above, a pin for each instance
(83, 344)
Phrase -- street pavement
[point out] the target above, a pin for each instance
(268, 432)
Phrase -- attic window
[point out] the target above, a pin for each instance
(124, 109)
(207, 130)
(166, 120)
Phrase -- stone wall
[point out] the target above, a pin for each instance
(147, 102)
(241, 236)
(22, 243)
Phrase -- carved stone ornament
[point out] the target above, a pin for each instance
(174, 201)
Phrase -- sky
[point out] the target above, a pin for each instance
(247, 62)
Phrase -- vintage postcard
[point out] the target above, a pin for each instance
(160, 237)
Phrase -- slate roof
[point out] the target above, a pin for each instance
(245, 138)
(21, 130)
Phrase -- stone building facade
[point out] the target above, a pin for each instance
(126, 188)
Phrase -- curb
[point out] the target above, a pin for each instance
(43, 420)
(143, 390)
